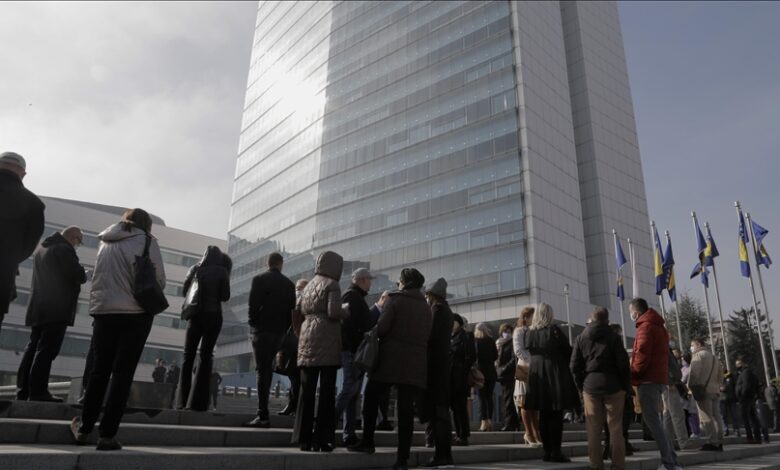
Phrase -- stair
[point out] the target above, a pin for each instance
(37, 436)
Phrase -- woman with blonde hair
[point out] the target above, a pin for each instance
(551, 388)
(530, 418)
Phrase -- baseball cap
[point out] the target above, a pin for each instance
(13, 159)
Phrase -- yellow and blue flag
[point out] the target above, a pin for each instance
(762, 256)
(668, 266)
(620, 260)
(658, 263)
(744, 262)
(702, 271)
(711, 251)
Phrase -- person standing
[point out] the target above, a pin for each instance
(404, 330)
(704, 380)
(215, 382)
(172, 376)
(728, 392)
(352, 330)
(213, 277)
(158, 374)
(293, 372)
(673, 414)
(437, 393)
(271, 303)
(319, 354)
(747, 393)
(463, 355)
(56, 282)
(121, 325)
(384, 399)
(486, 361)
(650, 373)
(505, 370)
(21, 219)
(551, 388)
(602, 373)
(530, 418)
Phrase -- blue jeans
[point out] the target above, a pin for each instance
(350, 391)
(650, 401)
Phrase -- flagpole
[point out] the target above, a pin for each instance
(568, 312)
(763, 293)
(634, 280)
(652, 243)
(723, 327)
(620, 301)
(676, 308)
(696, 232)
(755, 308)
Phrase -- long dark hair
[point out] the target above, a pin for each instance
(138, 218)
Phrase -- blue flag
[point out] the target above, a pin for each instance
(711, 252)
(698, 270)
(762, 256)
(658, 264)
(668, 265)
(744, 261)
(620, 260)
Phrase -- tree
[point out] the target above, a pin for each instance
(743, 340)
(693, 321)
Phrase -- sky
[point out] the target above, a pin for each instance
(139, 105)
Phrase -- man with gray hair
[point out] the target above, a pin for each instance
(21, 219)
(352, 331)
(56, 282)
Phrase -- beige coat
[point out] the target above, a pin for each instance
(702, 364)
(319, 343)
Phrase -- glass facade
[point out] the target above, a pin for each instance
(387, 132)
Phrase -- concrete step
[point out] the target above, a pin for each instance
(46, 431)
(33, 457)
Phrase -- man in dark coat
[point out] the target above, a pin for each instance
(172, 376)
(463, 355)
(56, 283)
(216, 380)
(271, 303)
(352, 331)
(384, 400)
(599, 364)
(21, 219)
(747, 392)
(158, 374)
(437, 394)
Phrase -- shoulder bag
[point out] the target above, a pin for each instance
(699, 391)
(192, 299)
(146, 290)
(367, 354)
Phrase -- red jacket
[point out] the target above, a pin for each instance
(650, 361)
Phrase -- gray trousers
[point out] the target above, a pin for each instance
(711, 423)
(674, 417)
(650, 401)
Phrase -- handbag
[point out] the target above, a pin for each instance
(476, 378)
(521, 372)
(192, 299)
(146, 290)
(507, 371)
(367, 354)
(285, 360)
(699, 391)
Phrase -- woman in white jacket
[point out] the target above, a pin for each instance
(121, 325)
(530, 418)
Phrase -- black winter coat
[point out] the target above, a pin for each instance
(437, 393)
(271, 302)
(506, 362)
(21, 227)
(213, 282)
(486, 358)
(599, 362)
(56, 283)
(747, 385)
(550, 384)
(729, 389)
(359, 320)
(463, 355)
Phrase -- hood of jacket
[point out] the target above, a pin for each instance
(597, 331)
(330, 264)
(54, 239)
(650, 316)
(119, 232)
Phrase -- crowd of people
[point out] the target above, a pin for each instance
(427, 353)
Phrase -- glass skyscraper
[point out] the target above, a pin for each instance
(488, 142)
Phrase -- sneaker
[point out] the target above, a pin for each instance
(460, 442)
(75, 428)
(363, 448)
(258, 422)
(350, 440)
(108, 443)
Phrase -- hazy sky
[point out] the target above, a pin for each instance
(140, 105)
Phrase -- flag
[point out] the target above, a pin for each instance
(762, 256)
(698, 270)
(744, 262)
(668, 266)
(620, 260)
(711, 252)
(658, 258)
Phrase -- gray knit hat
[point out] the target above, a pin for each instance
(13, 159)
(439, 288)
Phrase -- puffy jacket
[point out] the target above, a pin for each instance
(319, 343)
(705, 370)
(56, 283)
(599, 362)
(21, 219)
(213, 281)
(271, 301)
(113, 279)
(650, 362)
(747, 385)
(404, 330)
(359, 321)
